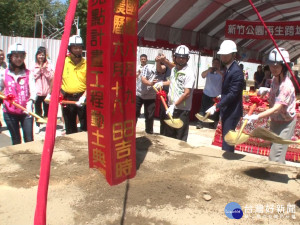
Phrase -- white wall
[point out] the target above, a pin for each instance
(153, 52)
(204, 63)
(31, 45)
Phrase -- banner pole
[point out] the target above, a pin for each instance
(42, 192)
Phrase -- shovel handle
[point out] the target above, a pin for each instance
(208, 114)
(26, 111)
(162, 98)
(40, 119)
(23, 108)
(164, 103)
(66, 102)
(246, 121)
(251, 110)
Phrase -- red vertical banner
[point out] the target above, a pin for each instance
(111, 69)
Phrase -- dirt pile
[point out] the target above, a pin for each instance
(175, 184)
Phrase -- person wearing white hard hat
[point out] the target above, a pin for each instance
(181, 87)
(73, 86)
(282, 102)
(231, 102)
(19, 86)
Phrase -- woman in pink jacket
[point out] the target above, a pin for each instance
(43, 75)
(17, 83)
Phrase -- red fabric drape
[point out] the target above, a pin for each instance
(41, 205)
(270, 35)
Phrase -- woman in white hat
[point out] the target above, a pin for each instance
(282, 101)
(18, 85)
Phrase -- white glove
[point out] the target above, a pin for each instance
(219, 97)
(48, 97)
(211, 110)
(171, 109)
(250, 118)
(158, 85)
(29, 106)
(263, 90)
(81, 101)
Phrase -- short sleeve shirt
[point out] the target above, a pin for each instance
(179, 80)
(283, 94)
(74, 76)
(142, 90)
(213, 84)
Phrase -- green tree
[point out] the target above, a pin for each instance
(141, 2)
(18, 17)
(81, 14)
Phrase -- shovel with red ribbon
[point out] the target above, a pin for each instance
(10, 99)
(234, 137)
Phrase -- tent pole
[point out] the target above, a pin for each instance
(199, 55)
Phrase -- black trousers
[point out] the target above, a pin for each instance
(39, 110)
(162, 117)
(149, 109)
(183, 132)
(70, 113)
(228, 123)
(13, 123)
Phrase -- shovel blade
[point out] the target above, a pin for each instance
(232, 138)
(203, 118)
(175, 123)
(41, 120)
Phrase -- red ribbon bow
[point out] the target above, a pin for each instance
(216, 100)
(60, 99)
(163, 94)
(256, 100)
(10, 98)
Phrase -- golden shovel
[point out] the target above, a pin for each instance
(175, 123)
(39, 119)
(232, 137)
(261, 133)
(204, 119)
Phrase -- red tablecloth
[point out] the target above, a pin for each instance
(196, 104)
(259, 146)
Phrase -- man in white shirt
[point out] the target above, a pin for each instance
(212, 89)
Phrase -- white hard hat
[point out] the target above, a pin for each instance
(75, 40)
(275, 57)
(227, 47)
(15, 48)
(182, 51)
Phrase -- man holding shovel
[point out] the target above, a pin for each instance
(231, 103)
(181, 86)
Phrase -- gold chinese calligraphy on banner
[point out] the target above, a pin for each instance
(111, 57)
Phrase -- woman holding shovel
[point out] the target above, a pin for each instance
(19, 87)
(282, 101)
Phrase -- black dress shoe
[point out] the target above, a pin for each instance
(199, 126)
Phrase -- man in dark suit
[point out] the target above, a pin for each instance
(231, 103)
